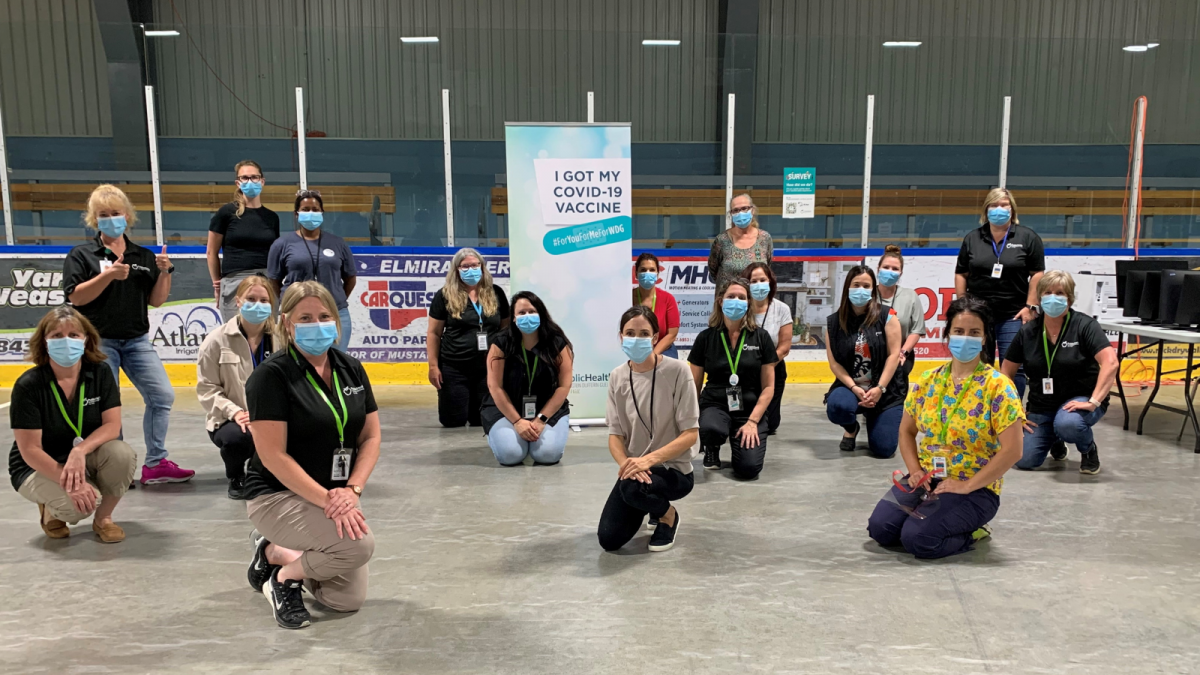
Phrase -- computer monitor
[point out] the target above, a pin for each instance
(1151, 290)
(1188, 312)
(1131, 299)
(1170, 287)
(1124, 267)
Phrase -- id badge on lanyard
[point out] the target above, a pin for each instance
(341, 465)
(733, 396)
(528, 407)
(939, 466)
(1047, 385)
(997, 270)
(481, 341)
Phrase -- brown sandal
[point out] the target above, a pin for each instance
(110, 533)
(55, 529)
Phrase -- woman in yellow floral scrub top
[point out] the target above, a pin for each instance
(970, 418)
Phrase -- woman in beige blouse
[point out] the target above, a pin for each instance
(743, 243)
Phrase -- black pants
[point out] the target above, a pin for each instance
(236, 447)
(773, 415)
(463, 385)
(716, 426)
(631, 500)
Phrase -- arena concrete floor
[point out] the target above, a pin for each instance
(484, 569)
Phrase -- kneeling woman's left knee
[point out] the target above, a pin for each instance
(549, 448)
(508, 447)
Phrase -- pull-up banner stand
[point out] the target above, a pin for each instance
(570, 240)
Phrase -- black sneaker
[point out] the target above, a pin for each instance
(237, 490)
(664, 535)
(712, 457)
(848, 443)
(260, 570)
(286, 600)
(1058, 451)
(1090, 463)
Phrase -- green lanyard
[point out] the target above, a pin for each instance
(337, 387)
(653, 302)
(525, 354)
(61, 408)
(948, 386)
(1046, 349)
(725, 343)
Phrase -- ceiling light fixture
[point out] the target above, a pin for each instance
(162, 33)
(1135, 48)
(419, 40)
(901, 43)
(1151, 45)
(660, 43)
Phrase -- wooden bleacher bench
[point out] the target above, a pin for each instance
(202, 198)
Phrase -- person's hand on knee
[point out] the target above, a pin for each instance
(84, 499)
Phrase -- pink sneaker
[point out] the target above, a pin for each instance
(166, 472)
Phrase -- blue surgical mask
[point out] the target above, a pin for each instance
(965, 348)
(637, 349)
(471, 275)
(859, 297)
(647, 280)
(315, 339)
(742, 218)
(1054, 305)
(113, 227)
(251, 188)
(759, 290)
(255, 312)
(734, 308)
(310, 220)
(888, 277)
(528, 323)
(998, 215)
(65, 351)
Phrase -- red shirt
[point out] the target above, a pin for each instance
(665, 310)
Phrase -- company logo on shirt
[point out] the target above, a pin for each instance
(749, 348)
(1012, 245)
(135, 266)
(350, 391)
(1070, 344)
(91, 401)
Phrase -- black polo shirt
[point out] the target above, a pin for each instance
(1075, 367)
(458, 338)
(708, 352)
(247, 238)
(1022, 257)
(33, 407)
(278, 391)
(121, 311)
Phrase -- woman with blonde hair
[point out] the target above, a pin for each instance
(113, 282)
(464, 317)
(227, 357)
(739, 359)
(1001, 263)
(242, 232)
(66, 418)
(1072, 366)
(743, 243)
(316, 436)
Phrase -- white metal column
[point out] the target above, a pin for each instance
(152, 135)
(1004, 141)
(1135, 183)
(5, 195)
(866, 204)
(729, 159)
(449, 181)
(300, 135)
(591, 107)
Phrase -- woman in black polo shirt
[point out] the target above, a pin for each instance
(316, 437)
(525, 412)
(66, 418)
(862, 344)
(242, 231)
(112, 281)
(466, 313)
(739, 359)
(1000, 263)
(1072, 365)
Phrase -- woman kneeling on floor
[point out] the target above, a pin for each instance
(316, 437)
(653, 435)
(971, 417)
(525, 412)
(66, 417)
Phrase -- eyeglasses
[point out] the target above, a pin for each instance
(742, 209)
(243, 179)
(304, 194)
(468, 267)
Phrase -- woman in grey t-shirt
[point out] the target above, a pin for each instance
(904, 301)
(653, 435)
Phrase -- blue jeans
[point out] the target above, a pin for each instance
(883, 427)
(1003, 333)
(344, 340)
(946, 531)
(672, 352)
(141, 364)
(510, 449)
(1068, 427)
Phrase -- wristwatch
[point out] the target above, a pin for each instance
(542, 418)
(356, 488)
(1036, 309)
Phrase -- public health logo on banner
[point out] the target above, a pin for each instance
(391, 303)
(585, 202)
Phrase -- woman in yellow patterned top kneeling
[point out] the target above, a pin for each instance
(970, 418)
